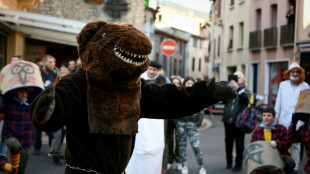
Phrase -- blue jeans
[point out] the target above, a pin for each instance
(38, 140)
(3, 148)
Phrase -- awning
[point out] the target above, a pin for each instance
(43, 27)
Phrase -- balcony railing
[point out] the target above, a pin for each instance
(287, 35)
(270, 38)
(255, 40)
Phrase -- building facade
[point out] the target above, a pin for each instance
(271, 46)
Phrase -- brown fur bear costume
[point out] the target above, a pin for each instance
(102, 102)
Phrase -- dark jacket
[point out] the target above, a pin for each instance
(110, 153)
(234, 107)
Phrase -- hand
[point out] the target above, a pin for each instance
(273, 144)
(221, 90)
(234, 84)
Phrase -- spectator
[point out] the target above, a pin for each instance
(291, 15)
(286, 101)
(172, 136)
(15, 58)
(276, 134)
(149, 146)
(55, 150)
(48, 76)
(39, 61)
(72, 66)
(231, 111)
(188, 127)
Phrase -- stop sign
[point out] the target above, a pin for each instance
(168, 47)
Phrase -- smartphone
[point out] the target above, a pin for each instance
(232, 77)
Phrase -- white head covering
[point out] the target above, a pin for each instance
(293, 65)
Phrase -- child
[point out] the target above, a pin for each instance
(18, 130)
(276, 134)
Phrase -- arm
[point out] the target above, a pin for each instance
(168, 101)
(255, 135)
(57, 104)
(277, 107)
(293, 135)
(244, 96)
(282, 140)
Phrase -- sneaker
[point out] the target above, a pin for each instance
(202, 170)
(56, 161)
(36, 152)
(50, 155)
(179, 166)
(184, 170)
(169, 166)
(236, 168)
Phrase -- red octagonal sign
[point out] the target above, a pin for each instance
(168, 47)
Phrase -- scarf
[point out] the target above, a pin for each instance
(21, 102)
(273, 126)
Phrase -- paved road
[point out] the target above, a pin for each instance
(211, 142)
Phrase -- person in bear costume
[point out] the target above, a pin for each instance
(101, 103)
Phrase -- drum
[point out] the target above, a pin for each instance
(260, 157)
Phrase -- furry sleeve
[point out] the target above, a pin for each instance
(67, 103)
(169, 102)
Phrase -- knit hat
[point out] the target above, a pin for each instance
(155, 64)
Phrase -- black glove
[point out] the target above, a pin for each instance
(222, 90)
(48, 101)
(295, 119)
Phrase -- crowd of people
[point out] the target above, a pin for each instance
(18, 134)
(162, 143)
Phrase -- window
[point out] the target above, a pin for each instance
(193, 64)
(159, 18)
(214, 48)
(231, 36)
(165, 62)
(199, 64)
(200, 43)
(241, 34)
(207, 59)
(180, 68)
(232, 2)
(195, 42)
(274, 11)
(258, 19)
(181, 48)
(175, 66)
(219, 46)
(157, 57)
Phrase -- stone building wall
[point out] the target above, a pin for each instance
(82, 11)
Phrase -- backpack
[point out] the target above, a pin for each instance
(246, 120)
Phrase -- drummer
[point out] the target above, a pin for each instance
(276, 134)
(302, 113)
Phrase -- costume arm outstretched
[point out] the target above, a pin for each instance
(168, 101)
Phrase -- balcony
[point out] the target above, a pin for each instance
(270, 38)
(287, 35)
(255, 40)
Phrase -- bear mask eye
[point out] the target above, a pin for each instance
(103, 34)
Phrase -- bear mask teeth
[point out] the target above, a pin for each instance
(131, 58)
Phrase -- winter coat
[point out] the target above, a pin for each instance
(234, 107)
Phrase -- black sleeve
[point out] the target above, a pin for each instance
(68, 98)
(169, 102)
